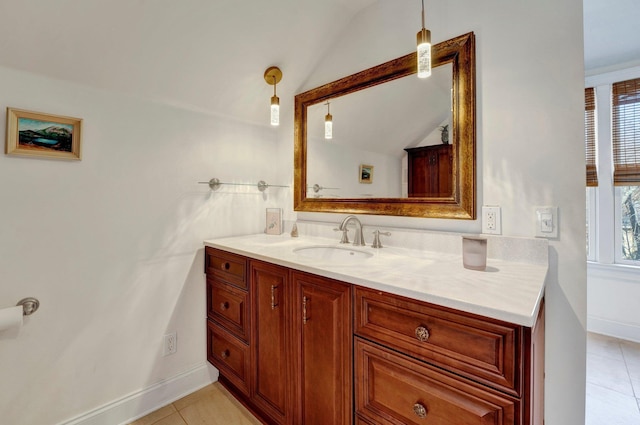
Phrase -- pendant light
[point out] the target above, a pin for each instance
(328, 124)
(272, 76)
(424, 49)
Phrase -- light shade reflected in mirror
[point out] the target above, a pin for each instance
(391, 130)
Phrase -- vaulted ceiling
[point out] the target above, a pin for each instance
(199, 54)
(210, 55)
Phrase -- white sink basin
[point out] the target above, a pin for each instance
(335, 254)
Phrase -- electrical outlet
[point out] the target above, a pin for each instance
(170, 344)
(491, 220)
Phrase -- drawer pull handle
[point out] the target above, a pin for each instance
(225, 266)
(224, 306)
(304, 310)
(420, 410)
(225, 354)
(274, 302)
(422, 333)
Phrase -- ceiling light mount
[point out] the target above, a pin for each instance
(273, 75)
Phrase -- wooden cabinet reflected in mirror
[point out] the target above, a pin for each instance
(430, 171)
(452, 196)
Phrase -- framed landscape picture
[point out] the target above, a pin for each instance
(366, 173)
(43, 135)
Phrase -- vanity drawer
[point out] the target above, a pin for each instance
(479, 348)
(230, 267)
(229, 355)
(398, 390)
(229, 306)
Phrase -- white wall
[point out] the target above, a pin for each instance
(337, 166)
(613, 297)
(530, 152)
(112, 245)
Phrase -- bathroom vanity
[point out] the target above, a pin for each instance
(309, 331)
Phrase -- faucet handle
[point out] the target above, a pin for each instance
(376, 238)
(345, 235)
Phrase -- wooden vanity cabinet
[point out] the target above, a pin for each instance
(451, 367)
(301, 349)
(292, 362)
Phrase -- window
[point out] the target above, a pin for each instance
(630, 222)
(592, 229)
(612, 154)
(625, 108)
(625, 113)
(590, 135)
(592, 174)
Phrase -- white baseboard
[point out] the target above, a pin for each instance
(614, 329)
(147, 400)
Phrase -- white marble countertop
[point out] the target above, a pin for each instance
(507, 290)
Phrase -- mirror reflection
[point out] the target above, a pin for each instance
(390, 131)
(370, 129)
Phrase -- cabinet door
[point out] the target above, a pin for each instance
(229, 355)
(392, 389)
(270, 361)
(430, 171)
(484, 350)
(418, 174)
(322, 350)
(227, 305)
(227, 266)
(444, 171)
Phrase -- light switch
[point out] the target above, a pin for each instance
(547, 222)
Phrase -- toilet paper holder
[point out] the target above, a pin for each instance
(29, 305)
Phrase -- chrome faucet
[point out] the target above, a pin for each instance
(358, 239)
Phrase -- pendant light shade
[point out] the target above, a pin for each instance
(275, 110)
(328, 124)
(272, 76)
(423, 40)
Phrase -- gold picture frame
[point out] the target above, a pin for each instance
(37, 134)
(366, 173)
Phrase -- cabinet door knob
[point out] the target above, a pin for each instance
(420, 410)
(422, 333)
(225, 266)
(225, 354)
(224, 306)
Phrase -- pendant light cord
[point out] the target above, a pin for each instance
(423, 14)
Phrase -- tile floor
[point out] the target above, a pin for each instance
(212, 405)
(613, 381)
(613, 392)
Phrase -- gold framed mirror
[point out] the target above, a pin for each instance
(457, 202)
